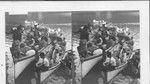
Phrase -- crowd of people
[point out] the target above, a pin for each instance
(116, 44)
(35, 41)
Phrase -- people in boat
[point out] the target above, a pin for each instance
(24, 49)
(17, 33)
(36, 35)
(84, 34)
(93, 49)
(131, 43)
(43, 62)
(84, 38)
(30, 38)
(63, 44)
(133, 69)
(20, 31)
(110, 62)
(43, 42)
(15, 49)
(57, 52)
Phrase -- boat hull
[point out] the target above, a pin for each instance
(21, 65)
(89, 64)
(112, 74)
(46, 74)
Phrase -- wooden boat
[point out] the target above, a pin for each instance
(88, 63)
(113, 73)
(45, 74)
(21, 63)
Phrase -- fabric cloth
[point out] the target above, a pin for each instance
(98, 52)
(25, 49)
(41, 62)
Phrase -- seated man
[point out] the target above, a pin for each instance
(110, 62)
(43, 62)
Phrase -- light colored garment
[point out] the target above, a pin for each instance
(30, 52)
(41, 62)
(106, 61)
(46, 62)
(97, 52)
(113, 61)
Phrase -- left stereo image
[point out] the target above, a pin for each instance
(37, 45)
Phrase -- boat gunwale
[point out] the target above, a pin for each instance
(95, 56)
(90, 57)
(22, 58)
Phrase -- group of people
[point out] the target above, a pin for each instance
(33, 41)
(116, 44)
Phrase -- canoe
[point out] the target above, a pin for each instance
(21, 63)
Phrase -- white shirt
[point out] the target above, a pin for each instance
(41, 62)
(113, 61)
(46, 62)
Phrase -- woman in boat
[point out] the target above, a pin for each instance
(43, 62)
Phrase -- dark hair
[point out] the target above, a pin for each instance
(42, 55)
(22, 45)
(109, 54)
(89, 44)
